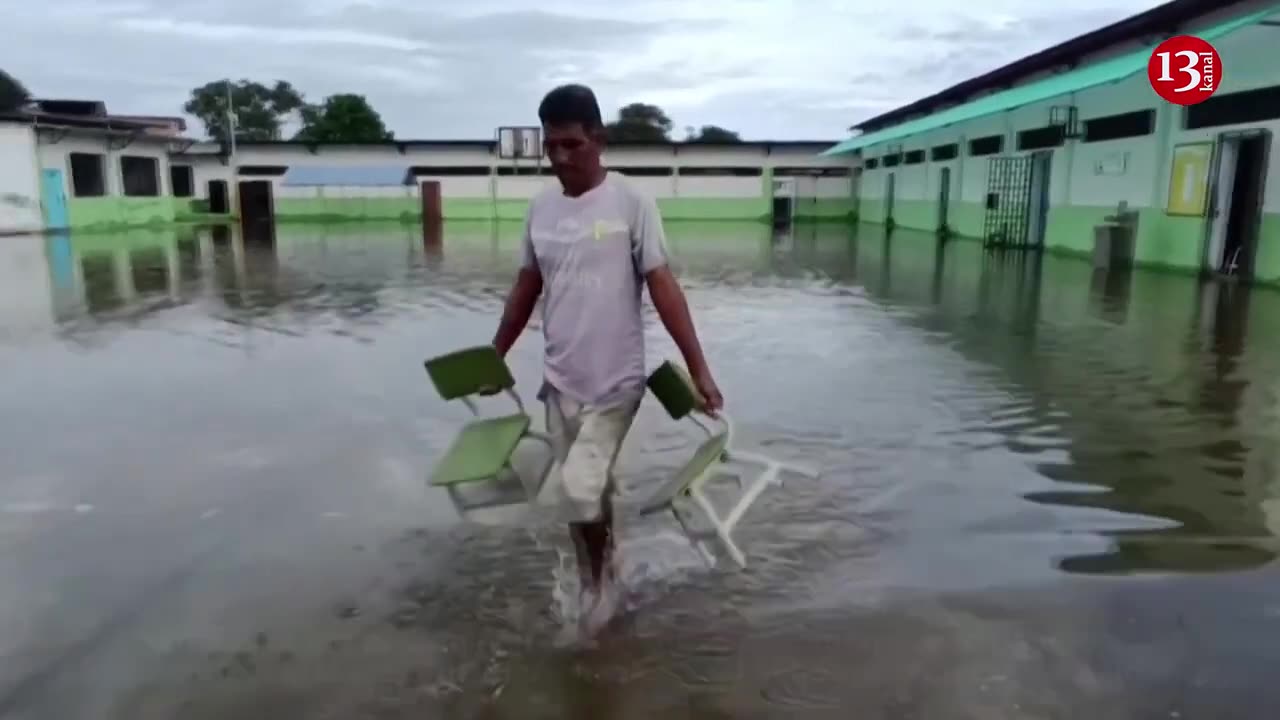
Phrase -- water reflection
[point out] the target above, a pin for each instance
(242, 421)
(1146, 411)
(1156, 420)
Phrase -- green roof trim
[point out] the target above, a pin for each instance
(1101, 73)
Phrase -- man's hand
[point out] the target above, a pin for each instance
(712, 400)
(487, 390)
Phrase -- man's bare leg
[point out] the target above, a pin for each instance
(594, 543)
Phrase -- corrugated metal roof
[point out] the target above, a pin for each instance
(1093, 75)
(350, 175)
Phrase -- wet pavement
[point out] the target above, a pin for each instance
(1046, 492)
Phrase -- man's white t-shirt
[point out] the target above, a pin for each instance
(593, 252)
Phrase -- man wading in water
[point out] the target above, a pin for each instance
(589, 246)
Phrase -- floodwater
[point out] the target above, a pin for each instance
(1045, 493)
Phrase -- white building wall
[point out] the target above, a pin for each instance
(721, 187)
(836, 187)
(206, 168)
(1253, 51)
(26, 288)
(1104, 174)
(158, 151)
(478, 186)
(57, 155)
(522, 186)
(720, 156)
(20, 209)
(654, 187)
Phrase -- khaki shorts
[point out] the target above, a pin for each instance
(586, 441)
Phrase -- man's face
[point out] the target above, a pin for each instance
(574, 153)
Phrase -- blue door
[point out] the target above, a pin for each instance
(54, 195)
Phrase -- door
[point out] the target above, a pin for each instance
(432, 209)
(1008, 201)
(1223, 184)
(1038, 208)
(256, 204)
(784, 196)
(53, 195)
(218, 204)
(944, 199)
(1235, 212)
(888, 199)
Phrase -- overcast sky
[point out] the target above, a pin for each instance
(771, 69)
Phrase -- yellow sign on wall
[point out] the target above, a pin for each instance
(1189, 179)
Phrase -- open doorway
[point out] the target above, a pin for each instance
(218, 204)
(256, 205)
(888, 199)
(944, 200)
(784, 200)
(1241, 170)
(1038, 209)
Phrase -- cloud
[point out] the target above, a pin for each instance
(767, 68)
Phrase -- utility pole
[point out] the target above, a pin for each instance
(231, 120)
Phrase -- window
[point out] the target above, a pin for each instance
(141, 175)
(871, 163)
(811, 172)
(1237, 108)
(645, 171)
(990, 145)
(892, 160)
(523, 170)
(1044, 137)
(181, 180)
(722, 171)
(945, 152)
(1124, 125)
(87, 176)
(452, 170)
(915, 157)
(262, 170)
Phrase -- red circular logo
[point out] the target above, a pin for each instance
(1185, 70)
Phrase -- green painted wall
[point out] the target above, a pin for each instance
(405, 208)
(1165, 242)
(119, 212)
(409, 209)
(826, 209)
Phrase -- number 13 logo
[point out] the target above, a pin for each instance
(1185, 70)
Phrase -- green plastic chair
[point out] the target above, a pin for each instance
(673, 388)
(476, 469)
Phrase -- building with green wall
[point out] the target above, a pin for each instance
(473, 181)
(77, 167)
(1042, 151)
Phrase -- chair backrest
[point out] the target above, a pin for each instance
(468, 371)
(673, 387)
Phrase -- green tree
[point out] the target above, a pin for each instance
(13, 94)
(259, 110)
(640, 122)
(712, 134)
(342, 118)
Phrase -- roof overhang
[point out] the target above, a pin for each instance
(1100, 73)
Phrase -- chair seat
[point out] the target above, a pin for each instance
(709, 452)
(481, 449)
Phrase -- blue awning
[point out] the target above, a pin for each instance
(349, 175)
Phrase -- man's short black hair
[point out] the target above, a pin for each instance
(569, 104)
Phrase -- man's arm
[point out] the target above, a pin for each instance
(668, 298)
(520, 302)
(524, 293)
(673, 309)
